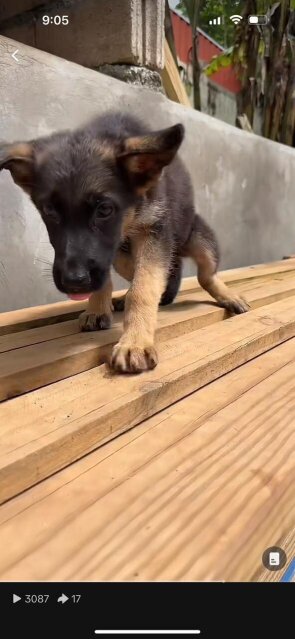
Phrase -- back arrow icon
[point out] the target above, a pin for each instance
(13, 55)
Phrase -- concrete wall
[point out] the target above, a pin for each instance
(244, 186)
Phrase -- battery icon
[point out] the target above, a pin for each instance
(257, 20)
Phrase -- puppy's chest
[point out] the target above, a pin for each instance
(142, 220)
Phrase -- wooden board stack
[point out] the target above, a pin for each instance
(184, 472)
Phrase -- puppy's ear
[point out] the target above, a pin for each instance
(18, 158)
(144, 157)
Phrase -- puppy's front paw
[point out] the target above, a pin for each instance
(93, 322)
(235, 304)
(127, 358)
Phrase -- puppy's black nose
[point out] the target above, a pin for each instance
(76, 281)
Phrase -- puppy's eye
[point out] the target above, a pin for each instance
(104, 208)
(50, 215)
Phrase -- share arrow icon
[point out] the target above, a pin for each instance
(15, 598)
(63, 599)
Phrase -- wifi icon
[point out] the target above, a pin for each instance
(236, 19)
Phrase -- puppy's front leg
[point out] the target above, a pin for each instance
(98, 315)
(135, 352)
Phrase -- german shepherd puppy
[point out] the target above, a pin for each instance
(115, 193)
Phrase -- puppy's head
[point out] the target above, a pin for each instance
(82, 187)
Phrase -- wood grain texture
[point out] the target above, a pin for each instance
(50, 428)
(30, 336)
(65, 351)
(196, 492)
(205, 403)
(27, 318)
(201, 486)
(173, 85)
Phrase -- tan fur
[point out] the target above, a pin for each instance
(136, 143)
(124, 265)
(219, 290)
(143, 190)
(147, 155)
(149, 143)
(150, 214)
(146, 163)
(205, 260)
(18, 158)
(106, 150)
(99, 305)
(128, 223)
(22, 150)
(135, 351)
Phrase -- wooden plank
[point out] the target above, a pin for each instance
(28, 368)
(226, 475)
(231, 276)
(20, 320)
(169, 33)
(173, 85)
(13, 341)
(27, 318)
(238, 277)
(203, 404)
(62, 422)
(195, 492)
(45, 333)
(243, 123)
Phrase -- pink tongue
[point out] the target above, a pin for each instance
(79, 297)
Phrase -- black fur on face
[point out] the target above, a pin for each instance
(83, 183)
(82, 199)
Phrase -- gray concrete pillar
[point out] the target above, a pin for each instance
(98, 31)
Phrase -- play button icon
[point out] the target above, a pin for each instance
(15, 598)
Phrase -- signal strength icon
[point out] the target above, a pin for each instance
(236, 19)
(216, 20)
